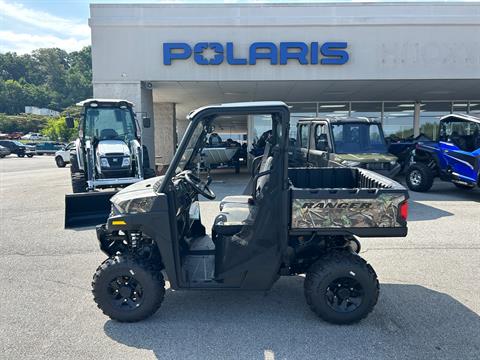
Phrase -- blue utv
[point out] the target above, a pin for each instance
(455, 157)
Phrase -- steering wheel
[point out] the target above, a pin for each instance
(199, 186)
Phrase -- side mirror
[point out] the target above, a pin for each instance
(146, 122)
(70, 122)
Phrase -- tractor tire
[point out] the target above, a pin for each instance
(30, 155)
(79, 183)
(419, 177)
(341, 288)
(148, 173)
(59, 161)
(464, 187)
(128, 290)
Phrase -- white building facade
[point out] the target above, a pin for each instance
(405, 64)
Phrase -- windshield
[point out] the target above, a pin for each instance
(109, 123)
(356, 138)
(192, 149)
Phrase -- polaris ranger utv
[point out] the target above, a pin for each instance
(296, 221)
(354, 142)
(107, 154)
(455, 157)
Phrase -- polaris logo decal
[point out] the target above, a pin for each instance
(337, 205)
(215, 53)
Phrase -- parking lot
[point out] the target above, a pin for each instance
(429, 305)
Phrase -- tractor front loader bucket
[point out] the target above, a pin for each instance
(87, 209)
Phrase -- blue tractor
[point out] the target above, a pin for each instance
(455, 157)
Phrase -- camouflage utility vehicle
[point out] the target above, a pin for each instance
(351, 142)
(296, 221)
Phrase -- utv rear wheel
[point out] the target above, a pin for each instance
(341, 288)
(419, 177)
(127, 290)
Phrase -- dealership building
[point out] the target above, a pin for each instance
(405, 64)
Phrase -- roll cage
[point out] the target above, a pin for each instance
(206, 115)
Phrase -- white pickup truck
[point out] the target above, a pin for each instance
(62, 157)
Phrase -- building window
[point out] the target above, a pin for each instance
(474, 108)
(398, 119)
(372, 111)
(430, 114)
(304, 136)
(300, 111)
(460, 107)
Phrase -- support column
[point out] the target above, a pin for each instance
(165, 135)
(142, 99)
(181, 128)
(416, 120)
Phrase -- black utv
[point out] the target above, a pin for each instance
(295, 221)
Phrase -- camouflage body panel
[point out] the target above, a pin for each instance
(345, 213)
(364, 158)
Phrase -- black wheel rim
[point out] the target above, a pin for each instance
(344, 295)
(126, 293)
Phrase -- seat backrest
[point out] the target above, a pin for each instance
(263, 180)
(108, 134)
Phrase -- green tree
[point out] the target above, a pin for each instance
(56, 129)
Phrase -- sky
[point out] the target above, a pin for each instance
(26, 25)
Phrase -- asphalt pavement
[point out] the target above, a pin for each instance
(428, 308)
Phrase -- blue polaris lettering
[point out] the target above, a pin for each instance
(299, 54)
(334, 53)
(169, 54)
(329, 53)
(314, 53)
(231, 57)
(272, 55)
(201, 47)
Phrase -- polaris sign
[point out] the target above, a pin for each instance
(215, 53)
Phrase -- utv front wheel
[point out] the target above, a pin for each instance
(127, 290)
(419, 177)
(341, 288)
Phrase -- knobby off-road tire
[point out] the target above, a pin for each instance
(419, 177)
(128, 290)
(349, 302)
(59, 161)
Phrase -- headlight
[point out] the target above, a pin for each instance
(104, 163)
(350, 163)
(393, 162)
(126, 162)
(138, 205)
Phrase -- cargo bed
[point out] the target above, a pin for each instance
(346, 201)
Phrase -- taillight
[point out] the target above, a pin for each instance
(404, 210)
